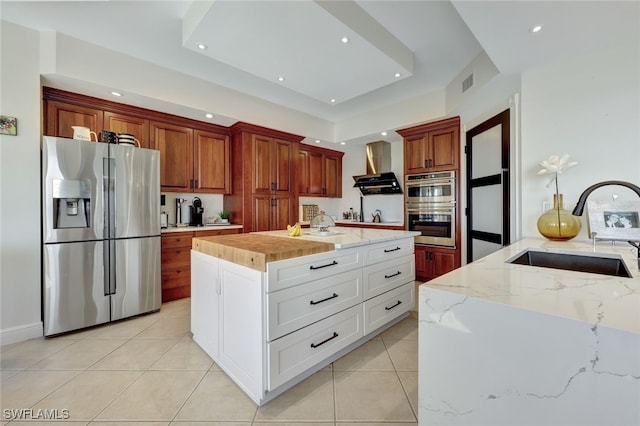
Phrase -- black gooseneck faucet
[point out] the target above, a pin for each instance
(579, 209)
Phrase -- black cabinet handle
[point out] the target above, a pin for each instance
(393, 275)
(390, 250)
(313, 268)
(312, 302)
(273, 186)
(426, 163)
(391, 307)
(315, 345)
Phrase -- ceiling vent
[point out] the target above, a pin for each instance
(467, 83)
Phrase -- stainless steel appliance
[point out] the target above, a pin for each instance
(197, 212)
(100, 233)
(431, 207)
(430, 187)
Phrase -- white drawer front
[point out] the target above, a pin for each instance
(296, 307)
(382, 309)
(287, 273)
(388, 275)
(296, 352)
(381, 252)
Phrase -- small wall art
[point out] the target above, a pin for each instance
(614, 221)
(8, 125)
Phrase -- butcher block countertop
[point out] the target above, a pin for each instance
(256, 250)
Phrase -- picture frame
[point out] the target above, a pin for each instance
(614, 221)
(8, 125)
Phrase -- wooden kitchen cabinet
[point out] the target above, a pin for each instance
(60, 116)
(122, 123)
(176, 261)
(262, 176)
(432, 147)
(320, 172)
(175, 144)
(431, 262)
(211, 162)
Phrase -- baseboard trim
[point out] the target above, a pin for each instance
(21, 333)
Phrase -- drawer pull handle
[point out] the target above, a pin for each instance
(311, 302)
(313, 268)
(390, 250)
(391, 307)
(313, 345)
(393, 275)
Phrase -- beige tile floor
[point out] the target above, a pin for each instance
(148, 371)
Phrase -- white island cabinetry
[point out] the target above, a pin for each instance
(270, 329)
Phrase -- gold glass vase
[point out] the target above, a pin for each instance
(558, 223)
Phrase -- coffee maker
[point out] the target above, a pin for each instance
(197, 212)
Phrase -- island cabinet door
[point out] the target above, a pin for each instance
(387, 306)
(376, 253)
(205, 301)
(388, 275)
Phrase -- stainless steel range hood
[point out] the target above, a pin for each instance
(379, 179)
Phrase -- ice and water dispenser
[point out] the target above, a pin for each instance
(71, 203)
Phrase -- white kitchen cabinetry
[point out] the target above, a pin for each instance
(270, 330)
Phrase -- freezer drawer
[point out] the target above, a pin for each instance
(73, 286)
(138, 278)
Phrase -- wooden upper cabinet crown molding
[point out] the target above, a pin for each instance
(321, 150)
(427, 127)
(51, 94)
(264, 131)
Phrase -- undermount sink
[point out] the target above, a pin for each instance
(605, 264)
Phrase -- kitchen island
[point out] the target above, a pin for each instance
(507, 344)
(271, 310)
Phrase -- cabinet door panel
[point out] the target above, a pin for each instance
(262, 159)
(303, 172)
(443, 262)
(261, 213)
(316, 174)
(281, 213)
(176, 156)
(333, 177)
(415, 154)
(61, 116)
(211, 163)
(444, 149)
(120, 123)
(282, 164)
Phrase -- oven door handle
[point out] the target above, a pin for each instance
(422, 211)
(425, 182)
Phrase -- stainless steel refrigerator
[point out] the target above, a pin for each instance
(100, 233)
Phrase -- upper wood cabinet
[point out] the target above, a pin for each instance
(432, 147)
(211, 162)
(175, 144)
(272, 165)
(195, 156)
(60, 116)
(319, 172)
(122, 123)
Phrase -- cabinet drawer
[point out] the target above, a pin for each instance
(174, 257)
(380, 252)
(214, 232)
(176, 277)
(299, 306)
(388, 275)
(382, 309)
(181, 239)
(296, 352)
(287, 273)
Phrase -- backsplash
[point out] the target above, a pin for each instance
(212, 204)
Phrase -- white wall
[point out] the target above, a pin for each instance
(20, 187)
(588, 107)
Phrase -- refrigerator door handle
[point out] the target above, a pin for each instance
(105, 263)
(112, 267)
(108, 179)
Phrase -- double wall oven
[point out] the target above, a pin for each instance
(431, 207)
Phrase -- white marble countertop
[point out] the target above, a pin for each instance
(344, 237)
(198, 228)
(597, 299)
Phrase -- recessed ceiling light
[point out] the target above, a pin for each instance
(317, 141)
(116, 93)
(208, 115)
(202, 46)
(345, 39)
(397, 75)
(383, 133)
(333, 101)
(536, 28)
(280, 78)
(343, 143)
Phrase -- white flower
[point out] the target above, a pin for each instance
(556, 164)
